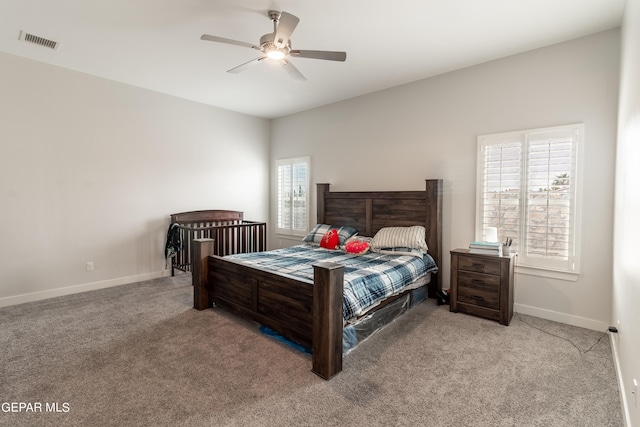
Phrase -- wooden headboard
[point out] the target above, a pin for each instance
(369, 211)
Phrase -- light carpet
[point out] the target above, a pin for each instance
(140, 355)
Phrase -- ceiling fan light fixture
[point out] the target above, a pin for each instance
(275, 54)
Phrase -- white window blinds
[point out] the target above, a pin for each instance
(501, 182)
(293, 195)
(528, 190)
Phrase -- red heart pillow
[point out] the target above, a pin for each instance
(357, 247)
(330, 240)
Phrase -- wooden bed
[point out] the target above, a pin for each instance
(310, 313)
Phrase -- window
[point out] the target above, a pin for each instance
(293, 196)
(528, 184)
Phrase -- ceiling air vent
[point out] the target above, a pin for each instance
(40, 41)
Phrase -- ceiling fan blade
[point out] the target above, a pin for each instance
(246, 65)
(227, 41)
(294, 73)
(319, 54)
(286, 24)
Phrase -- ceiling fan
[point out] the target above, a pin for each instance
(277, 46)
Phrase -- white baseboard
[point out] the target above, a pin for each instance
(616, 363)
(68, 290)
(568, 319)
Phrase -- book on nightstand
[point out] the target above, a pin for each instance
(486, 248)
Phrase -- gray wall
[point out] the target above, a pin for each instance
(394, 139)
(90, 170)
(626, 268)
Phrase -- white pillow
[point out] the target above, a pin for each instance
(400, 237)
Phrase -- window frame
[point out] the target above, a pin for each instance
(568, 269)
(291, 161)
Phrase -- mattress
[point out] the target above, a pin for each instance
(368, 278)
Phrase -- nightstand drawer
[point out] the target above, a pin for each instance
(479, 289)
(480, 265)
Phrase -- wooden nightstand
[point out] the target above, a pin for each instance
(482, 285)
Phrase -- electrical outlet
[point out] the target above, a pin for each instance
(90, 266)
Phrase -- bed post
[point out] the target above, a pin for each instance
(201, 250)
(328, 283)
(321, 189)
(434, 226)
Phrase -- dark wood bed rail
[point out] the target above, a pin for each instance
(232, 234)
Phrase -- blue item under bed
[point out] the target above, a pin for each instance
(270, 332)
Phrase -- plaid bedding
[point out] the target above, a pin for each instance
(368, 278)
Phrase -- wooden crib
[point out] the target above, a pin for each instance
(230, 232)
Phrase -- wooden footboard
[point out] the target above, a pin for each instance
(307, 313)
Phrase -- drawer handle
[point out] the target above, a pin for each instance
(477, 281)
(477, 265)
(477, 297)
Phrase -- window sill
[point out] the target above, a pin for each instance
(299, 234)
(552, 274)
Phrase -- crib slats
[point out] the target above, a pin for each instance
(230, 232)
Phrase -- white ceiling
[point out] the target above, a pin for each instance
(155, 44)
